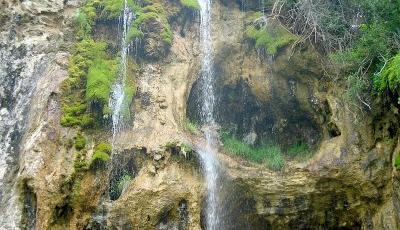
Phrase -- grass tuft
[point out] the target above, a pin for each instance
(300, 151)
(191, 127)
(269, 154)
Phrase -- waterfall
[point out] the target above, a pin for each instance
(116, 103)
(210, 165)
(118, 94)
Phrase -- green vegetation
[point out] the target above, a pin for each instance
(191, 4)
(80, 163)
(388, 79)
(129, 93)
(300, 150)
(370, 58)
(101, 155)
(148, 13)
(83, 25)
(269, 154)
(397, 162)
(80, 142)
(361, 37)
(191, 127)
(91, 75)
(270, 37)
(123, 183)
(100, 78)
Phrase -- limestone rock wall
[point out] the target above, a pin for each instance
(349, 182)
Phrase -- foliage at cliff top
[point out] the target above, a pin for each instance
(269, 36)
(361, 36)
(388, 79)
(191, 4)
(148, 13)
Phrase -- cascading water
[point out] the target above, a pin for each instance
(118, 94)
(116, 103)
(211, 168)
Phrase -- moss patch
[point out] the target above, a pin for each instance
(100, 78)
(269, 37)
(101, 155)
(91, 74)
(397, 162)
(191, 4)
(79, 142)
(150, 12)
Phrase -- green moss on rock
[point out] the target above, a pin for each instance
(91, 75)
(397, 162)
(148, 13)
(270, 37)
(80, 163)
(79, 141)
(191, 4)
(100, 78)
(101, 155)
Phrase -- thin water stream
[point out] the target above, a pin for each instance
(209, 161)
(116, 103)
(118, 94)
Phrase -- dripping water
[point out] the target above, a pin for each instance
(118, 94)
(210, 164)
(116, 103)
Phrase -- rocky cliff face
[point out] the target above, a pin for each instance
(154, 181)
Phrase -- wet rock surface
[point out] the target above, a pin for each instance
(348, 183)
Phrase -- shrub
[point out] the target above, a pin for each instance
(83, 25)
(191, 4)
(389, 78)
(80, 142)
